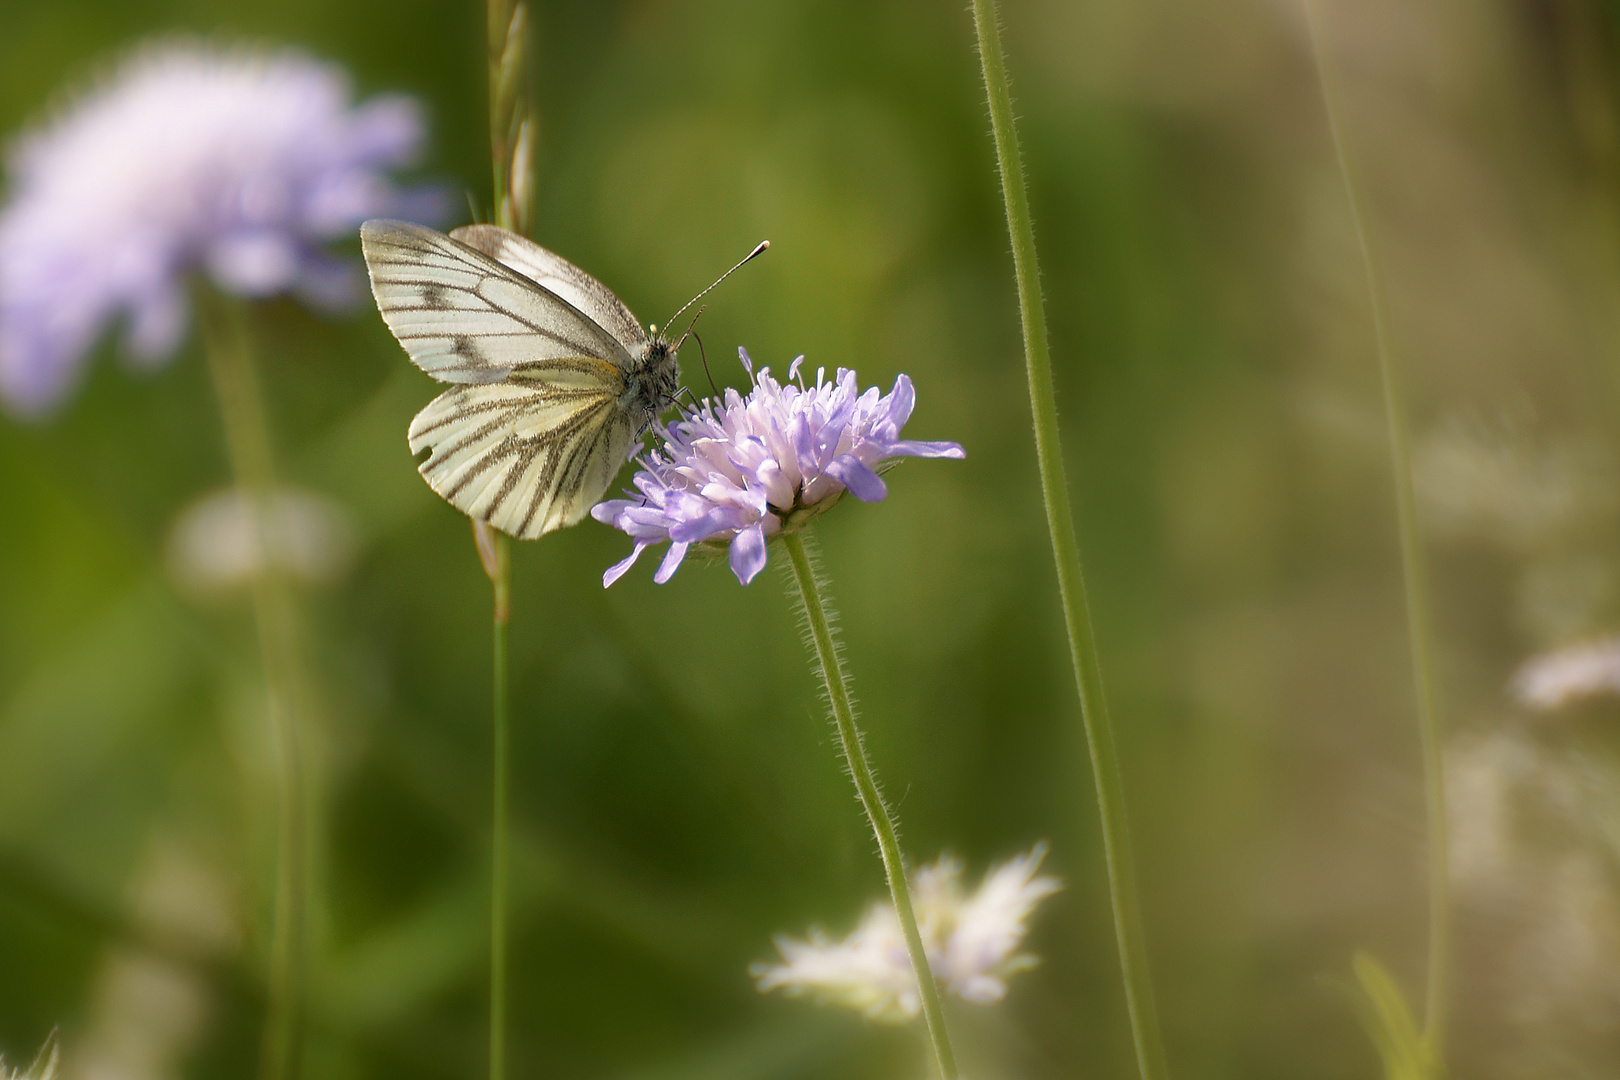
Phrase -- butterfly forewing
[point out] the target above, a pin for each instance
(463, 316)
(558, 275)
(530, 455)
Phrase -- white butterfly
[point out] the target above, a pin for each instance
(558, 378)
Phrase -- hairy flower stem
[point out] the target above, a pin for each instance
(877, 812)
(1066, 551)
(1417, 590)
(230, 363)
(510, 136)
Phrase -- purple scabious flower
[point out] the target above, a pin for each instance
(736, 473)
(236, 162)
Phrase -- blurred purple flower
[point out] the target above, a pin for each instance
(236, 162)
(738, 473)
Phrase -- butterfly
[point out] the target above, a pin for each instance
(555, 379)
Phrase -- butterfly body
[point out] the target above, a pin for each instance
(652, 381)
(554, 377)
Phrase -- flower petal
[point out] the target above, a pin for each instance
(862, 482)
(911, 448)
(718, 519)
(748, 553)
(156, 325)
(981, 989)
(778, 492)
(671, 563)
(254, 262)
(616, 571)
(902, 399)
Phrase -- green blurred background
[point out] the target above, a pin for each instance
(678, 798)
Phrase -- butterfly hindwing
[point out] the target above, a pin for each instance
(466, 317)
(531, 454)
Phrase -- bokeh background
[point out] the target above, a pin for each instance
(678, 798)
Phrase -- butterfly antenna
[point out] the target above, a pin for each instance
(688, 332)
(703, 354)
(760, 250)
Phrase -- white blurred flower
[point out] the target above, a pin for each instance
(144, 1014)
(214, 546)
(1533, 845)
(44, 1066)
(1499, 481)
(148, 1009)
(869, 970)
(971, 942)
(1561, 677)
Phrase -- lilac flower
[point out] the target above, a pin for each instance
(189, 157)
(971, 942)
(738, 473)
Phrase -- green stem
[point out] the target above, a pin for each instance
(499, 890)
(230, 364)
(877, 812)
(1066, 552)
(510, 133)
(1412, 570)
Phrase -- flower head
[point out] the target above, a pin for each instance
(971, 942)
(235, 162)
(1568, 675)
(738, 472)
(217, 544)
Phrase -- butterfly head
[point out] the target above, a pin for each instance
(654, 377)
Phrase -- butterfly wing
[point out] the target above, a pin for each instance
(531, 454)
(539, 431)
(557, 275)
(465, 317)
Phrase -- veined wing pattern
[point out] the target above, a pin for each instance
(539, 430)
(462, 316)
(556, 274)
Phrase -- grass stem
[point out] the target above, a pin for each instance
(230, 364)
(1417, 591)
(510, 144)
(511, 131)
(500, 568)
(1066, 552)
